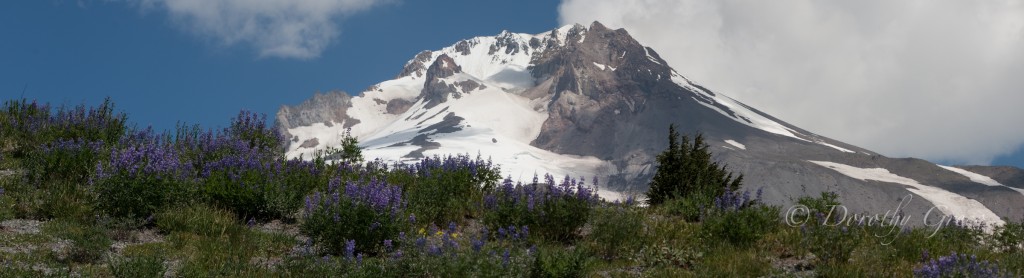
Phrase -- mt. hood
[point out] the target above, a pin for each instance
(594, 102)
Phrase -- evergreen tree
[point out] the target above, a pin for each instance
(685, 169)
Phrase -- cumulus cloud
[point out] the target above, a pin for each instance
(939, 80)
(274, 28)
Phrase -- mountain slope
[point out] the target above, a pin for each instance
(594, 102)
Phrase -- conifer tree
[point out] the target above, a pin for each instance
(686, 169)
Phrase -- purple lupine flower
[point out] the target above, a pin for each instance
(451, 227)
(252, 222)
(435, 250)
(477, 245)
(505, 257)
(350, 249)
(387, 244)
(359, 259)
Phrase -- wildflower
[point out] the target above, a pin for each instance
(421, 242)
(350, 248)
(477, 245)
(435, 250)
(505, 258)
(252, 222)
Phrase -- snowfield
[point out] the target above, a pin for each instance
(947, 202)
(979, 178)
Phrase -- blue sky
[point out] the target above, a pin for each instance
(883, 75)
(63, 52)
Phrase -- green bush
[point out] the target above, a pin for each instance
(739, 220)
(355, 218)
(1009, 237)
(67, 200)
(663, 255)
(551, 212)
(142, 176)
(262, 190)
(557, 262)
(445, 189)
(831, 241)
(689, 207)
(616, 231)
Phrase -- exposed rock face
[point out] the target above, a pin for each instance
(604, 96)
(435, 89)
(322, 108)
(416, 65)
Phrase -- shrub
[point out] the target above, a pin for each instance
(686, 170)
(664, 255)
(689, 207)
(1009, 237)
(553, 212)
(831, 243)
(615, 231)
(141, 177)
(442, 190)
(65, 159)
(252, 129)
(36, 124)
(739, 220)
(253, 187)
(355, 217)
(559, 263)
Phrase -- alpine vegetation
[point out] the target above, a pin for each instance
(119, 200)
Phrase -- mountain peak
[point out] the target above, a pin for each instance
(593, 101)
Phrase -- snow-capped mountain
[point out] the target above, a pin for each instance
(594, 102)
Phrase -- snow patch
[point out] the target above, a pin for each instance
(975, 177)
(945, 201)
(649, 57)
(835, 147)
(979, 178)
(600, 66)
(736, 144)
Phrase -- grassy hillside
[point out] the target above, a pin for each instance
(85, 193)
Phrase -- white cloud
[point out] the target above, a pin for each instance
(940, 80)
(274, 28)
